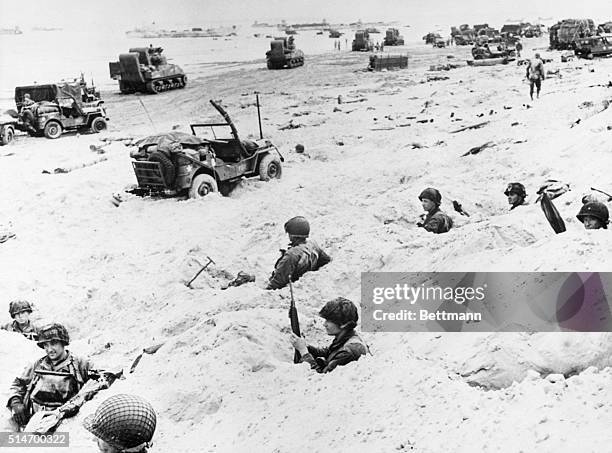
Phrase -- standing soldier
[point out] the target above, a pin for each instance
(51, 380)
(435, 220)
(123, 423)
(594, 215)
(341, 318)
(516, 194)
(535, 75)
(20, 311)
(302, 256)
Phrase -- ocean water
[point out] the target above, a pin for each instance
(47, 57)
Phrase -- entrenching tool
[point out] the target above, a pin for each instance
(210, 260)
(295, 322)
(149, 350)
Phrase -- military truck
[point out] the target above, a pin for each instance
(393, 38)
(57, 108)
(594, 46)
(146, 70)
(362, 42)
(563, 34)
(283, 54)
(178, 163)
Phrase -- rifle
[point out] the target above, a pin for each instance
(295, 322)
(43, 422)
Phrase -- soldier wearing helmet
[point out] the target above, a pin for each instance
(435, 220)
(51, 380)
(20, 311)
(594, 215)
(123, 423)
(302, 256)
(341, 318)
(516, 194)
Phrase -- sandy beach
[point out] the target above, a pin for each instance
(224, 380)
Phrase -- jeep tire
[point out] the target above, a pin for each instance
(202, 185)
(98, 125)
(7, 134)
(270, 168)
(53, 129)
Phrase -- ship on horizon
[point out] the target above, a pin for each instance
(194, 32)
(11, 31)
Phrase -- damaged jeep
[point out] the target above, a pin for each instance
(177, 163)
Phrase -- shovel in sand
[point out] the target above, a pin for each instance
(210, 260)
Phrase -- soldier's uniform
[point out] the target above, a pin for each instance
(30, 331)
(302, 256)
(46, 385)
(437, 222)
(296, 261)
(347, 347)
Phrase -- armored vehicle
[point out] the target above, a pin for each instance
(564, 34)
(146, 70)
(283, 54)
(595, 46)
(362, 42)
(57, 108)
(393, 38)
(178, 163)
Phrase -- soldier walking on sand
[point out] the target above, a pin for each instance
(535, 75)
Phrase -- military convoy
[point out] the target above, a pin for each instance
(283, 54)
(146, 70)
(177, 163)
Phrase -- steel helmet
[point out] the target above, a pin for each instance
(431, 194)
(17, 306)
(52, 331)
(123, 421)
(595, 209)
(516, 188)
(340, 311)
(298, 226)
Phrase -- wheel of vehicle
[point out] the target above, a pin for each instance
(8, 135)
(270, 168)
(202, 185)
(53, 129)
(150, 88)
(183, 82)
(270, 65)
(168, 169)
(98, 125)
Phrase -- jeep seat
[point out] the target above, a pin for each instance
(228, 150)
